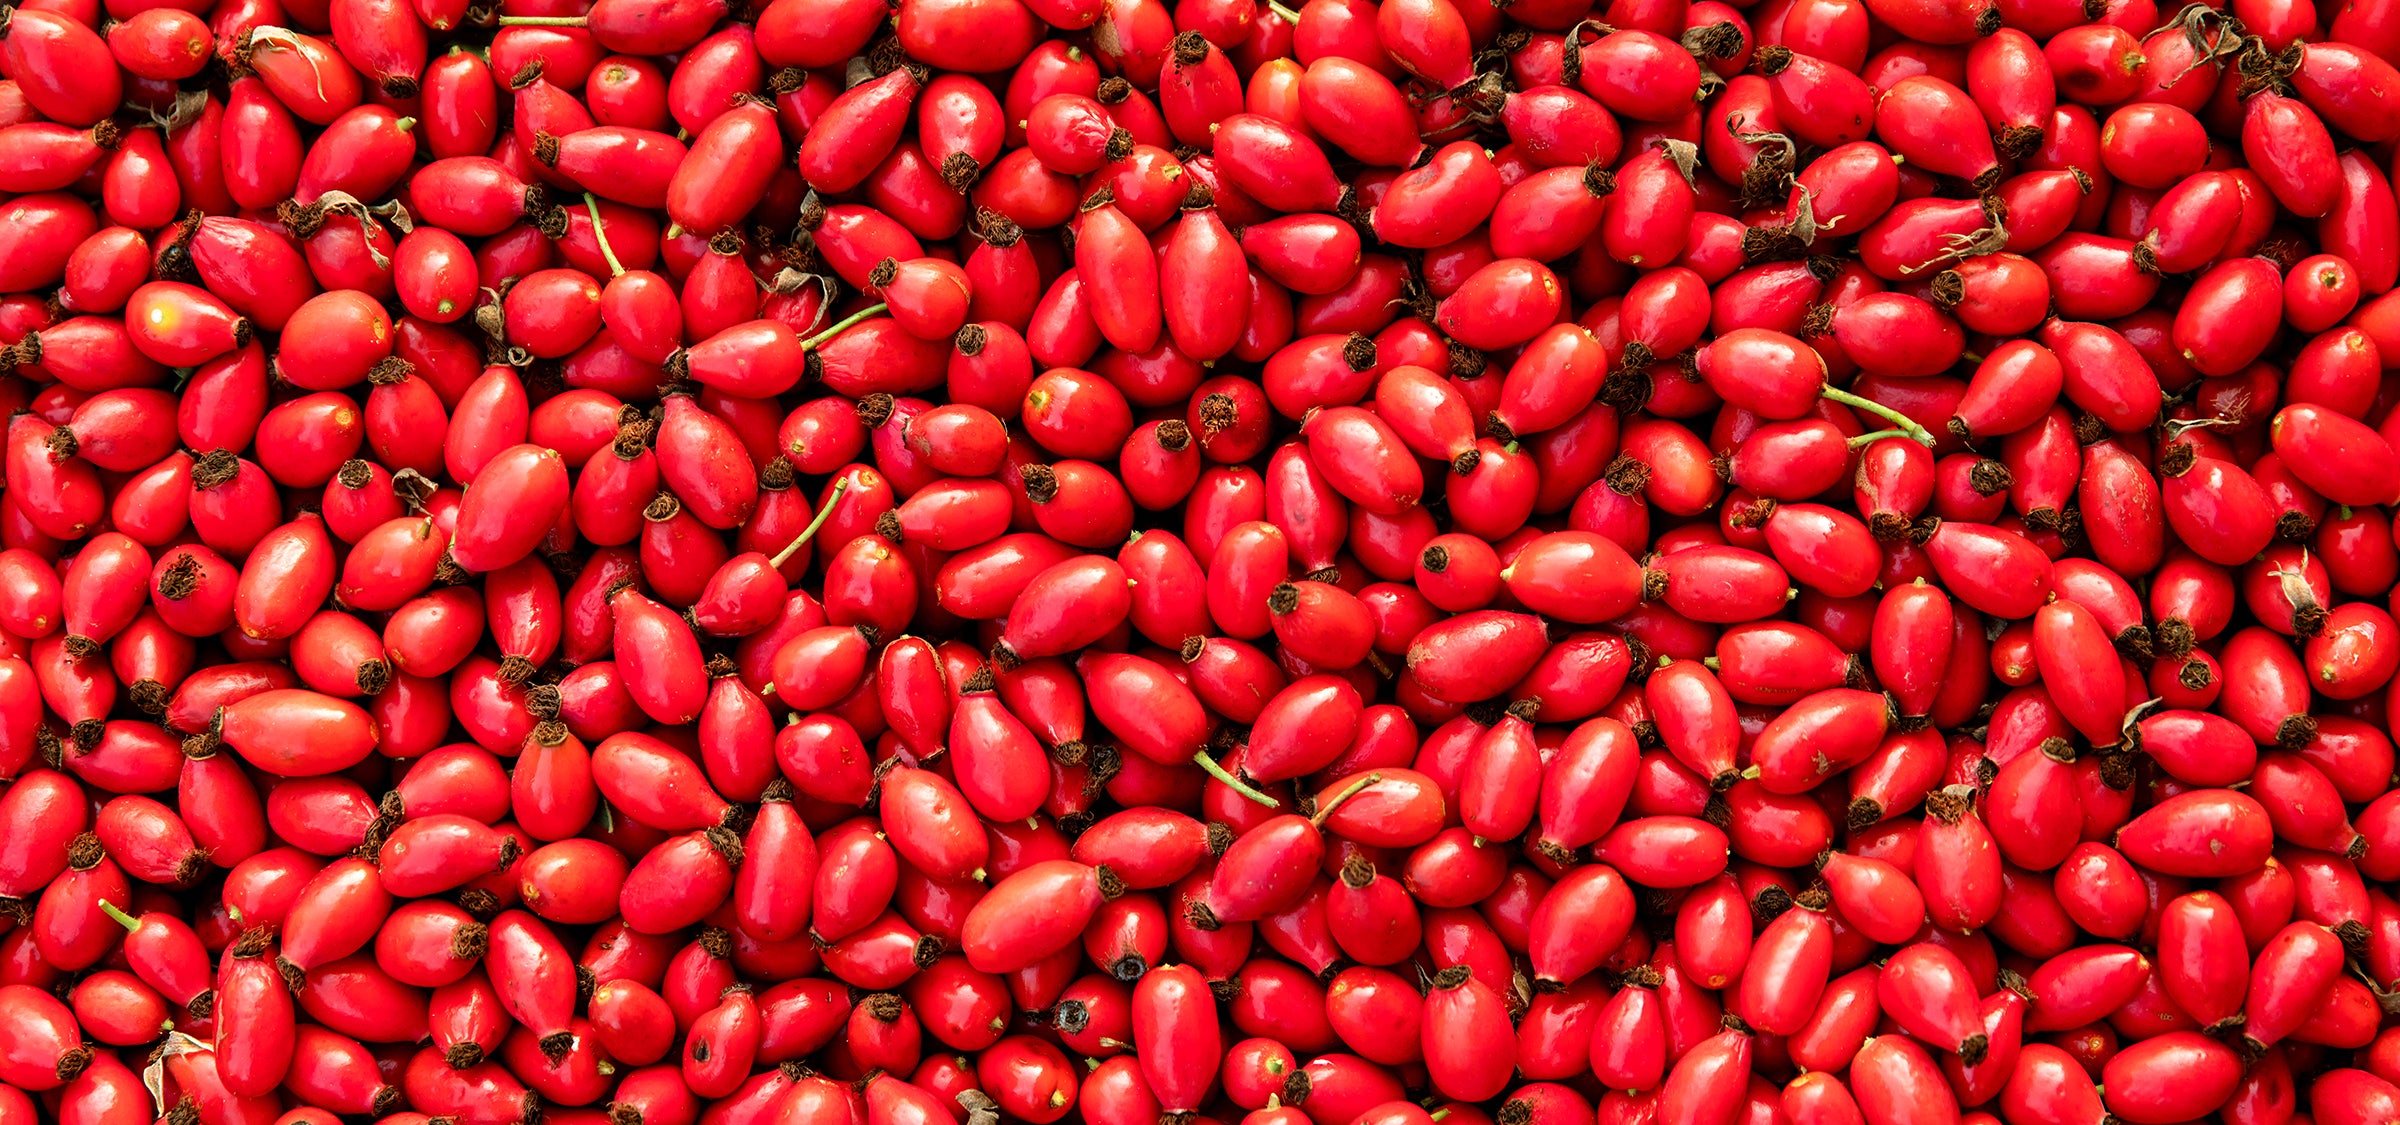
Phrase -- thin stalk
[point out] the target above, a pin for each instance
(1209, 765)
(1864, 440)
(600, 235)
(545, 21)
(812, 342)
(120, 917)
(809, 532)
(1325, 808)
(1906, 424)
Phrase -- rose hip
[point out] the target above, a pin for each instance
(1817, 558)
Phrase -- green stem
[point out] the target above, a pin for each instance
(1200, 758)
(119, 916)
(813, 342)
(1906, 424)
(832, 501)
(1864, 440)
(1326, 807)
(1286, 14)
(545, 21)
(600, 235)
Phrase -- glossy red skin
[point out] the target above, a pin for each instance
(2132, 1075)
(1178, 1049)
(47, 1028)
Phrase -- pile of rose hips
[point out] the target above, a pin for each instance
(1779, 562)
